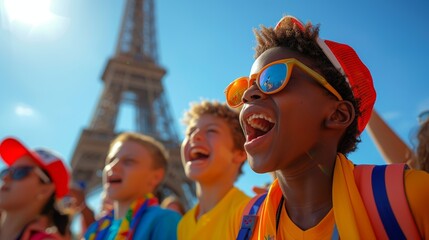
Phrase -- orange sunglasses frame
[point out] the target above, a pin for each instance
(290, 63)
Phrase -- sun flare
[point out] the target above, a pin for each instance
(33, 12)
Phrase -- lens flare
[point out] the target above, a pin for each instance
(32, 12)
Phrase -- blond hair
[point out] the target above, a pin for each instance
(156, 149)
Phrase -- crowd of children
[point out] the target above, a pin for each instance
(297, 115)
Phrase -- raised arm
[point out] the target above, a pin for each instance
(391, 146)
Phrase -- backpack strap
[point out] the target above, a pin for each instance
(399, 202)
(250, 217)
(383, 192)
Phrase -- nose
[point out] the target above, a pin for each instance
(6, 177)
(108, 169)
(196, 135)
(252, 93)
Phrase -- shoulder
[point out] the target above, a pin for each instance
(413, 175)
(91, 229)
(158, 223)
(187, 224)
(38, 230)
(417, 185)
(232, 205)
(238, 197)
(417, 191)
(189, 216)
(157, 213)
(41, 235)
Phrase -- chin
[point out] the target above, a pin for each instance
(112, 194)
(258, 165)
(194, 176)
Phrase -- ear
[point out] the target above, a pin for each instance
(157, 177)
(239, 156)
(342, 115)
(46, 191)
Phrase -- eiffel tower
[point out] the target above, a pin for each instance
(132, 76)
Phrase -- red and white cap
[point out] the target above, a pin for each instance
(345, 60)
(11, 150)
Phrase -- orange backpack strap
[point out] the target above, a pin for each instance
(250, 216)
(383, 192)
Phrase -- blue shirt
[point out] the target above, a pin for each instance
(156, 223)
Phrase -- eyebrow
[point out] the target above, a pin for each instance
(213, 124)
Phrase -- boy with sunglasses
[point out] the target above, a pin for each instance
(305, 104)
(135, 166)
(212, 156)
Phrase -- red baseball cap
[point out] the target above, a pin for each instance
(358, 77)
(11, 150)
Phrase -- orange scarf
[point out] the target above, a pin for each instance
(350, 214)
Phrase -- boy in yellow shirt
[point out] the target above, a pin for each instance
(212, 156)
(304, 105)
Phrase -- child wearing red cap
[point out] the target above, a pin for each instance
(212, 156)
(306, 102)
(135, 166)
(31, 184)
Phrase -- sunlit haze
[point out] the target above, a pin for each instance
(33, 12)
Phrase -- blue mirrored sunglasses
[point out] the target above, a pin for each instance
(21, 172)
(271, 79)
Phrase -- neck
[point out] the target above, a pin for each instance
(307, 189)
(13, 222)
(210, 194)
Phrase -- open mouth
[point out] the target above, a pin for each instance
(198, 154)
(114, 180)
(258, 125)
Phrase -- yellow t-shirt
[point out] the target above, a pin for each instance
(221, 222)
(416, 188)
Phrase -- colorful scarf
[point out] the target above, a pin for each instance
(129, 222)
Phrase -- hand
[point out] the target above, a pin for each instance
(78, 196)
(73, 202)
(259, 190)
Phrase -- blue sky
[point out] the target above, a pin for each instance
(50, 73)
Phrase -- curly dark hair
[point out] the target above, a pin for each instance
(289, 35)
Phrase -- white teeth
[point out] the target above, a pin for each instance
(197, 153)
(253, 116)
(258, 125)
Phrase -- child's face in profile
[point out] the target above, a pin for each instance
(281, 128)
(20, 190)
(129, 172)
(207, 150)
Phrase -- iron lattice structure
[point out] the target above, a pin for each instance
(133, 76)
